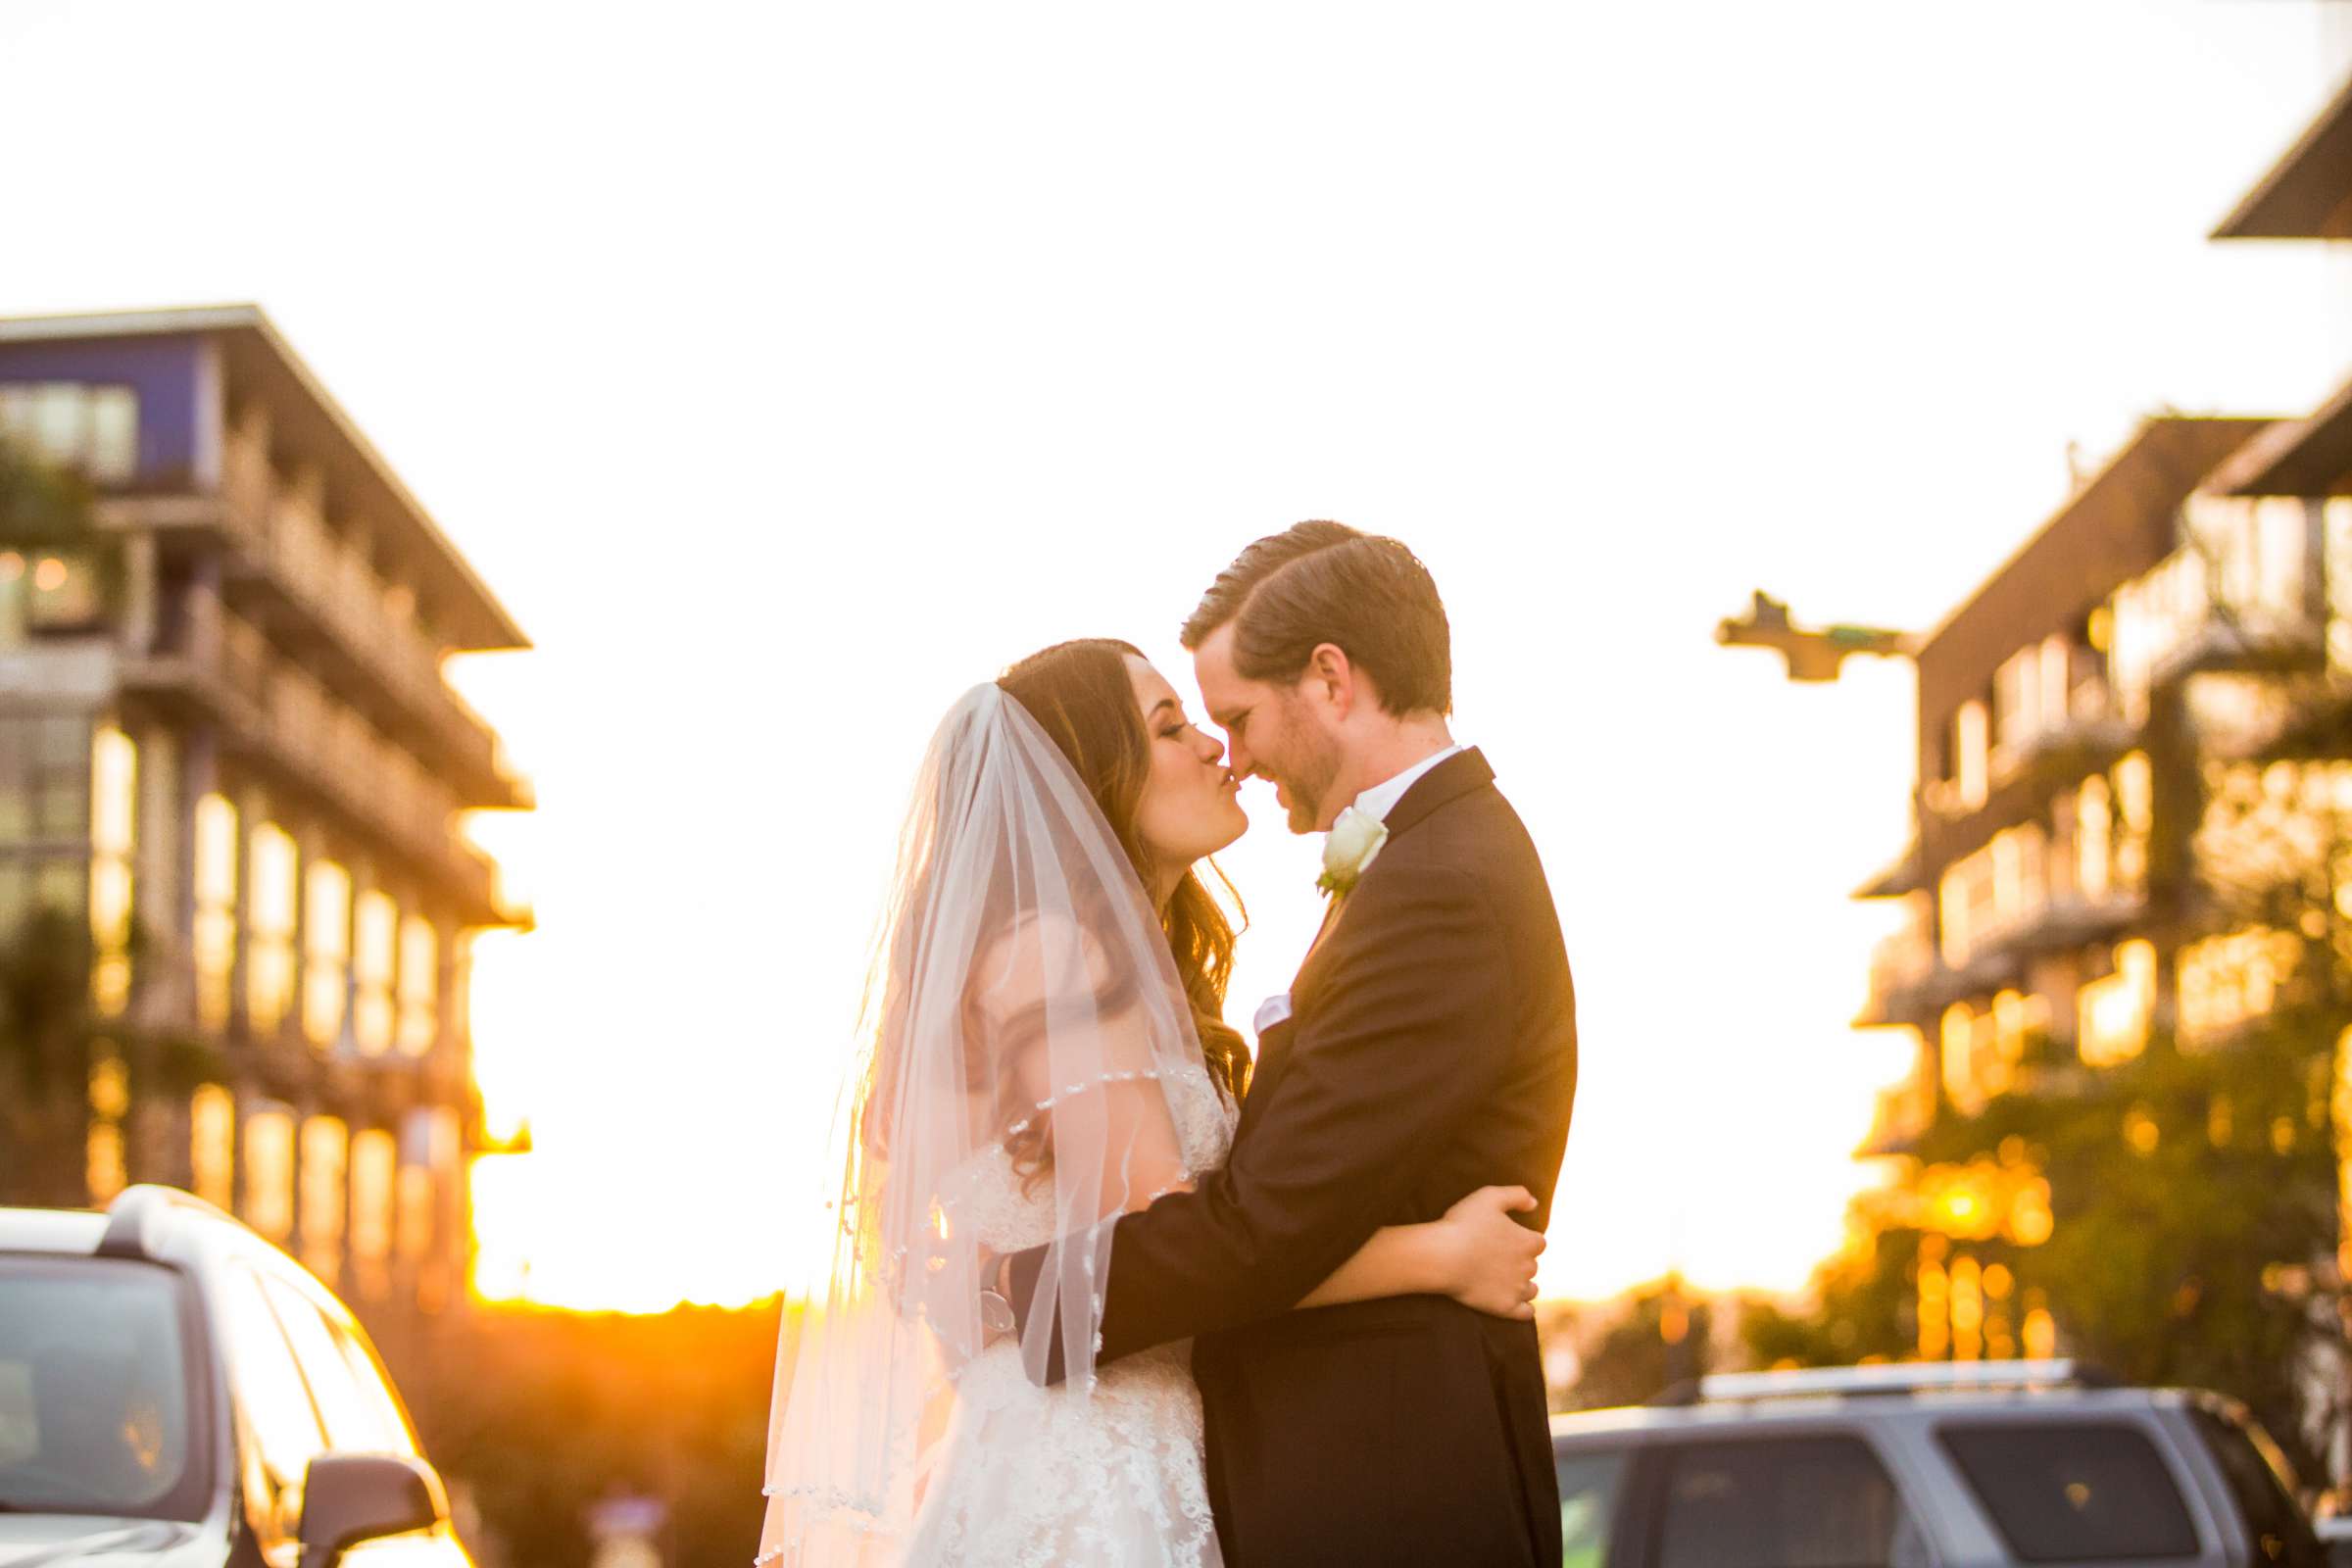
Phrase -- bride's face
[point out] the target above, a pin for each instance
(1192, 803)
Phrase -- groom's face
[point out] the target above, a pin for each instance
(1272, 733)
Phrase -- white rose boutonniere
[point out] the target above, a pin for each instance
(1352, 845)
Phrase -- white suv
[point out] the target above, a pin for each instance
(1980, 1465)
(174, 1391)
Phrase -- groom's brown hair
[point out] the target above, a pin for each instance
(1325, 582)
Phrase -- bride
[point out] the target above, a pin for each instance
(1045, 1050)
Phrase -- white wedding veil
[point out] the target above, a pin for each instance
(1023, 1022)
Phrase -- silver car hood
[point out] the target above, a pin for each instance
(88, 1540)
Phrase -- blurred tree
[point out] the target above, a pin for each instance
(2193, 1205)
(45, 1035)
(41, 504)
(538, 1415)
(1657, 1338)
(2195, 1229)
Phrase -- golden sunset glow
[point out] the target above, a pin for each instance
(782, 408)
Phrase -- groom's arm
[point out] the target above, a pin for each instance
(1409, 1037)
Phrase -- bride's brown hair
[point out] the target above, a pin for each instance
(1082, 696)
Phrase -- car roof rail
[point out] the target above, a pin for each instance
(1884, 1379)
(132, 1217)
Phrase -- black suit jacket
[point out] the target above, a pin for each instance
(1431, 1051)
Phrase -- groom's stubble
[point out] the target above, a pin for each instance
(1308, 768)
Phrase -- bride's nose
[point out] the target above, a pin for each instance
(1207, 748)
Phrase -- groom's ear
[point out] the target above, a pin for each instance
(1332, 679)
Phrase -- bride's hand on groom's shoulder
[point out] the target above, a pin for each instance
(1490, 1258)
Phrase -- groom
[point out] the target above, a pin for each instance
(1427, 1048)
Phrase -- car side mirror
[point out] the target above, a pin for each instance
(351, 1498)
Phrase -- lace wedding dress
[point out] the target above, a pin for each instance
(1023, 972)
(1030, 1477)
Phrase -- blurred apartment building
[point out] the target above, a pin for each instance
(2178, 636)
(227, 751)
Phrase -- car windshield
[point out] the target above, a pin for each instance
(100, 1400)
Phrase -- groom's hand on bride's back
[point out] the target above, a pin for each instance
(1490, 1256)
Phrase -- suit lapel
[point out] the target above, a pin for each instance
(1449, 781)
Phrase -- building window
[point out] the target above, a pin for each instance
(2135, 818)
(48, 591)
(460, 986)
(2228, 981)
(110, 1104)
(2113, 1013)
(327, 950)
(269, 1173)
(2020, 884)
(269, 917)
(2058, 682)
(44, 781)
(374, 1175)
(2018, 1020)
(211, 1145)
(431, 1202)
(412, 1216)
(2257, 552)
(110, 1084)
(2017, 698)
(420, 985)
(1984, 896)
(103, 1163)
(2113, 814)
(376, 923)
(1982, 1051)
(2032, 693)
(114, 815)
(1964, 906)
(2152, 618)
(1970, 764)
(1960, 1083)
(61, 885)
(93, 430)
(326, 1150)
(2094, 838)
(2335, 562)
(216, 927)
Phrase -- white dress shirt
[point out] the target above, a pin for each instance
(1379, 800)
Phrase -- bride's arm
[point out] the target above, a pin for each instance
(1478, 1254)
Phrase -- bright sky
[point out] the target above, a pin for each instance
(789, 372)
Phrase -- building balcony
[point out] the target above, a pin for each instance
(373, 791)
(1902, 967)
(1919, 997)
(2250, 641)
(1904, 875)
(284, 571)
(2244, 593)
(2086, 740)
(2059, 924)
(326, 603)
(1901, 1118)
